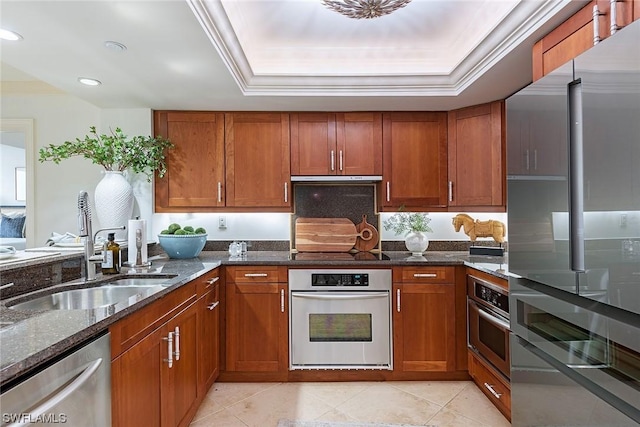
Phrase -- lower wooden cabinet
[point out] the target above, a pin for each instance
(257, 320)
(208, 330)
(492, 384)
(154, 382)
(424, 323)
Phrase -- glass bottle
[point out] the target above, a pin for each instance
(111, 256)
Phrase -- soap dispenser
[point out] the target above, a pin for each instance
(111, 256)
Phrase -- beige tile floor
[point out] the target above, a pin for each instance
(441, 404)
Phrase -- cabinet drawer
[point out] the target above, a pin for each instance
(207, 282)
(491, 384)
(254, 274)
(428, 275)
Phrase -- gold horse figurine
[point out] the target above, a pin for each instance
(475, 229)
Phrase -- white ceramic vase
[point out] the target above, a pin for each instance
(416, 242)
(114, 202)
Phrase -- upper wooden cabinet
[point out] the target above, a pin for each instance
(415, 160)
(257, 160)
(477, 177)
(195, 167)
(577, 34)
(336, 144)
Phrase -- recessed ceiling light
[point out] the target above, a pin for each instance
(115, 46)
(89, 82)
(9, 35)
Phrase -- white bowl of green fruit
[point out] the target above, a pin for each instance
(182, 242)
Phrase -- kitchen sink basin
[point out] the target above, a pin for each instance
(90, 298)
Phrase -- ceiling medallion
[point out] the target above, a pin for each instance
(367, 9)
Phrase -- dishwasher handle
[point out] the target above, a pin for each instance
(59, 396)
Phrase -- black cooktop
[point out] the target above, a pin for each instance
(339, 256)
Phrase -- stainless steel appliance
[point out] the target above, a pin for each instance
(574, 215)
(340, 319)
(75, 390)
(488, 316)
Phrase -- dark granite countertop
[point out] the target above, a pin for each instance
(29, 339)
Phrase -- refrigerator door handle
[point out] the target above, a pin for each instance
(576, 178)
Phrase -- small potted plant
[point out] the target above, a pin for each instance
(115, 152)
(414, 226)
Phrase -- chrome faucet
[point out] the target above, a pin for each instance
(84, 225)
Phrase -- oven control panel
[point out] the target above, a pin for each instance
(352, 279)
(496, 299)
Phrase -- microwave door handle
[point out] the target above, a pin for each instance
(501, 323)
(339, 296)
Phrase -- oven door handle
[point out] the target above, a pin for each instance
(493, 319)
(339, 296)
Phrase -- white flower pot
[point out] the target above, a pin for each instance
(416, 242)
(114, 202)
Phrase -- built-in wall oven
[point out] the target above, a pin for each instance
(488, 316)
(340, 319)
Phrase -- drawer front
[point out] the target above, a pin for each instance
(491, 385)
(254, 274)
(207, 282)
(436, 274)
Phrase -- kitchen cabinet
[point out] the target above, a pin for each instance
(494, 386)
(477, 158)
(195, 177)
(208, 291)
(577, 34)
(256, 322)
(154, 363)
(336, 143)
(414, 161)
(424, 321)
(257, 161)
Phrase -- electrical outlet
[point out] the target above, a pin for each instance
(222, 222)
(623, 220)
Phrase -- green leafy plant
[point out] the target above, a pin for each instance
(114, 152)
(404, 222)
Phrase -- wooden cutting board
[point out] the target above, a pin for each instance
(325, 234)
(368, 238)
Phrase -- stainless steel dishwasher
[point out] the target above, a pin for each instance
(75, 390)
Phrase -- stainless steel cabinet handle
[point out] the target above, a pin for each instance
(169, 340)
(333, 160)
(70, 388)
(177, 339)
(388, 191)
(613, 13)
(425, 275)
(526, 159)
(535, 160)
(255, 274)
(282, 300)
(213, 305)
(213, 280)
(492, 391)
(596, 24)
(286, 192)
(398, 300)
(450, 191)
(219, 192)
(341, 161)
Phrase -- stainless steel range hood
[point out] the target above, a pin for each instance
(337, 178)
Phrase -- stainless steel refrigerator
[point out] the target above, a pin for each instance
(573, 147)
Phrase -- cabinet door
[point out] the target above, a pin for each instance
(257, 334)
(415, 160)
(180, 382)
(136, 382)
(208, 338)
(257, 159)
(477, 157)
(195, 167)
(313, 144)
(359, 143)
(424, 327)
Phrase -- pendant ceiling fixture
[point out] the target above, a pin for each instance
(365, 9)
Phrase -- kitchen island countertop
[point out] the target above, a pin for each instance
(30, 339)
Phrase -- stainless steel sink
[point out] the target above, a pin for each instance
(90, 298)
